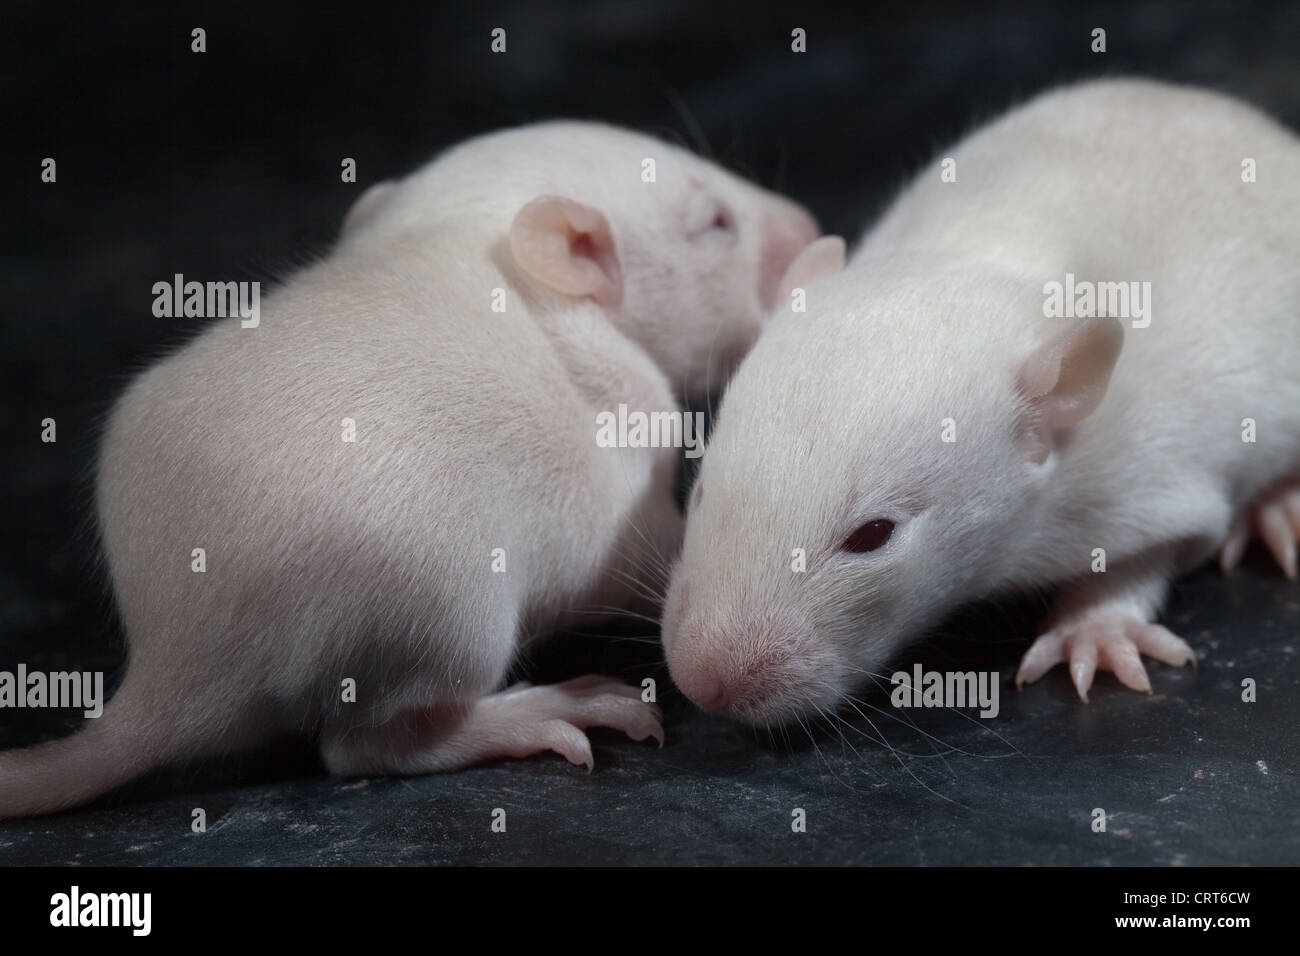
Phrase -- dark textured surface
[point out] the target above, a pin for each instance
(227, 165)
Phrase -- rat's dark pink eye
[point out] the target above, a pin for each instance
(870, 536)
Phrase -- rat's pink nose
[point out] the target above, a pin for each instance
(744, 665)
(703, 687)
(711, 694)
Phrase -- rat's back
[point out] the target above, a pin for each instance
(1178, 205)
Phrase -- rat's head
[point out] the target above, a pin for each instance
(684, 257)
(861, 481)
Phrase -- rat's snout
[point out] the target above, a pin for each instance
(738, 685)
(787, 230)
(756, 670)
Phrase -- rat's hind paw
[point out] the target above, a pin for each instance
(1276, 519)
(518, 722)
(525, 720)
(1111, 642)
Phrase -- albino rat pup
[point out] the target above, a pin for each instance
(937, 429)
(473, 512)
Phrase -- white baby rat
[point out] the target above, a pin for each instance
(473, 513)
(928, 435)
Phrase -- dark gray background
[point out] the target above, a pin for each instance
(227, 164)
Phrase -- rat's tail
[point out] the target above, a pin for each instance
(132, 736)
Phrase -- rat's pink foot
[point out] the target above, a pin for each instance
(1276, 519)
(518, 722)
(525, 720)
(1109, 640)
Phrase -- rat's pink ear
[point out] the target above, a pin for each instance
(568, 247)
(821, 258)
(367, 207)
(1066, 378)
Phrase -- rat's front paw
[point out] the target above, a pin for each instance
(1112, 642)
(524, 719)
(1276, 519)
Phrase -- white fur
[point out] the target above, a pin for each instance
(835, 418)
(475, 431)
